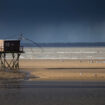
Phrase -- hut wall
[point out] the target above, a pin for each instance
(1, 45)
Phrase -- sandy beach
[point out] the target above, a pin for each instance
(64, 69)
(58, 70)
(61, 63)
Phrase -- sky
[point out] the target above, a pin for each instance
(49, 21)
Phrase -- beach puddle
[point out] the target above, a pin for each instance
(17, 75)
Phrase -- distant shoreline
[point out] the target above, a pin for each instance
(78, 44)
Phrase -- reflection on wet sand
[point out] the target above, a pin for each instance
(55, 93)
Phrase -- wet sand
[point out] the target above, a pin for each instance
(11, 75)
(52, 93)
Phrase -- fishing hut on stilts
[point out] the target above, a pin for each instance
(13, 49)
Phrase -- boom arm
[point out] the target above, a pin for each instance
(21, 37)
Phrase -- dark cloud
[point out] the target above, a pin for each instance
(54, 20)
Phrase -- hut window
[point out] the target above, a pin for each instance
(12, 44)
(7, 44)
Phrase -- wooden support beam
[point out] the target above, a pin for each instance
(13, 64)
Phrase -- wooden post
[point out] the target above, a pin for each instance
(13, 64)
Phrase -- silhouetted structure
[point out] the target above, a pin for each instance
(13, 48)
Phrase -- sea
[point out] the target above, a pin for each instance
(76, 44)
